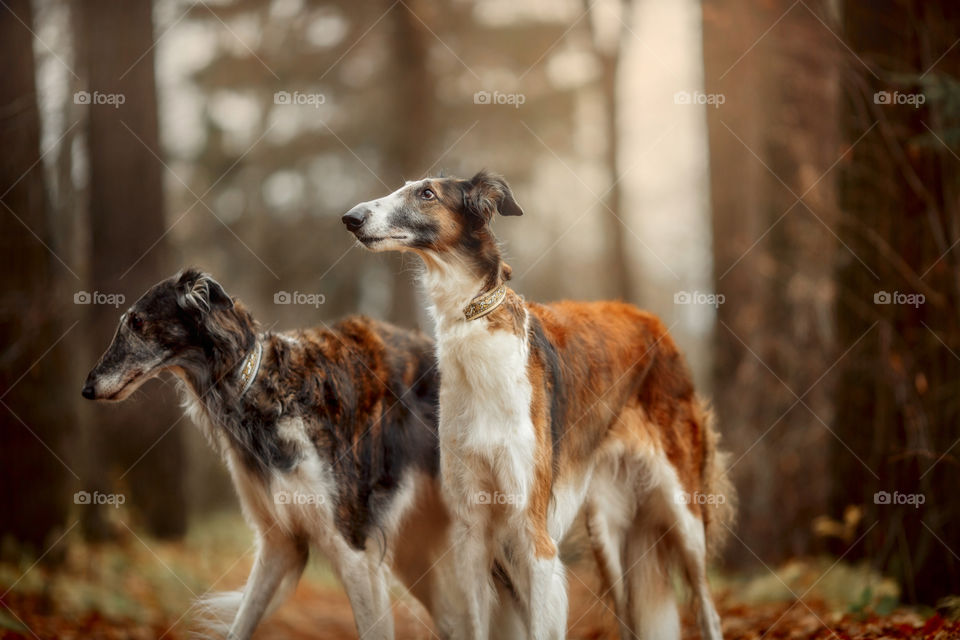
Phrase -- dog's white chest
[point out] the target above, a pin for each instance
(303, 499)
(485, 397)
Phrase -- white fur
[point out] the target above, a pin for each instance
(609, 511)
(487, 444)
(640, 530)
(568, 499)
(690, 548)
(391, 238)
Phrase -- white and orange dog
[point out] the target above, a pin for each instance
(550, 410)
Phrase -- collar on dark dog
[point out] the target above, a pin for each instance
(485, 303)
(250, 367)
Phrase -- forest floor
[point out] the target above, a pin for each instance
(136, 587)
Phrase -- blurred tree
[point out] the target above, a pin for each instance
(128, 249)
(897, 397)
(397, 82)
(411, 141)
(34, 418)
(772, 144)
(608, 51)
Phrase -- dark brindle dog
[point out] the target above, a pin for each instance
(330, 437)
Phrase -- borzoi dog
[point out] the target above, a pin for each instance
(329, 435)
(540, 403)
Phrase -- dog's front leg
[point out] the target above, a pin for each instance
(474, 565)
(546, 586)
(548, 599)
(366, 589)
(380, 587)
(277, 557)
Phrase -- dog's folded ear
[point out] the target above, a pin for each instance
(487, 194)
(197, 292)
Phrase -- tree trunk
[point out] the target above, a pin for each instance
(619, 275)
(128, 251)
(37, 398)
(411, 138)
(896, 398)
(770, 141)
(621, 280)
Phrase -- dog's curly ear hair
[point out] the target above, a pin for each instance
(200, 294)
(486, 194)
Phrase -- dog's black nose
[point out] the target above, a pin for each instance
(88, 392)
(355, 218)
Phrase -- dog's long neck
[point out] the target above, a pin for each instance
(451, 283)
(213, 376)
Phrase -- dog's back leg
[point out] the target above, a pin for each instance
(682, 544)
(606, 543)
(652, 613)
(691, 548)
(609, 515)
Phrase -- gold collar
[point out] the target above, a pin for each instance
(485, 303)
(250, 367)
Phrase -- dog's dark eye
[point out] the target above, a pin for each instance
(136, 322)
(428, 194)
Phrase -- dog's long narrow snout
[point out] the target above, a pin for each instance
(115, 376)
(355, 218)
(89, 390)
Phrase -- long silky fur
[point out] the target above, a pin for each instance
(718, 519)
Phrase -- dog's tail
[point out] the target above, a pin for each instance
(720, 511)
(213, 613)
